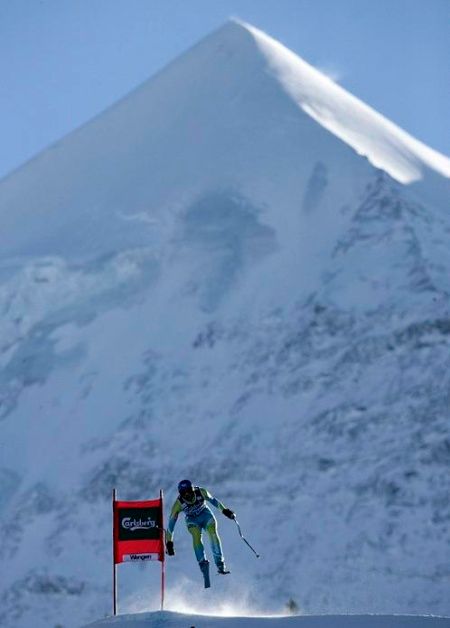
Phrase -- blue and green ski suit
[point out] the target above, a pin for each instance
(199, 517)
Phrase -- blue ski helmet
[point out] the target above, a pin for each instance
(184, 486)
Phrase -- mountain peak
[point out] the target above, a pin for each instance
(236, 111)
(233, 27)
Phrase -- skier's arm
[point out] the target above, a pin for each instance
(212, 500)
(215, 502)
(176, 509)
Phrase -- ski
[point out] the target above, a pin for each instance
(204, 566)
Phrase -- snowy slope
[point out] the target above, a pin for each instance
(171, 620)
(238, 274)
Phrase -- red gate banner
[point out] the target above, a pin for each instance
(138, 531)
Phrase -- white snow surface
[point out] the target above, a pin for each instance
(237, 274)
(177, 620)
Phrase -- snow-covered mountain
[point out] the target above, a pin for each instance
(238, 274)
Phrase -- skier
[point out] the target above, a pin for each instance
(192, 501)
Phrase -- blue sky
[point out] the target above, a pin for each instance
(64, 61)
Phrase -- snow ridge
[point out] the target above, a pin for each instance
(386, 145)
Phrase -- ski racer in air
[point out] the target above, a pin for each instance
(191, 501)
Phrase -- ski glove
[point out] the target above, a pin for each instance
(169, 548)
(228, 513)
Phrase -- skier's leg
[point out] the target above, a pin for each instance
(216, 545)
(197, 541)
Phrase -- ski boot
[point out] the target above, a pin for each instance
(222, 569)
(204, 568)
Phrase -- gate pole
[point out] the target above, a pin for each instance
(114, 498)
(163, 557)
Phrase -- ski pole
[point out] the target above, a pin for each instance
(244, 539)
